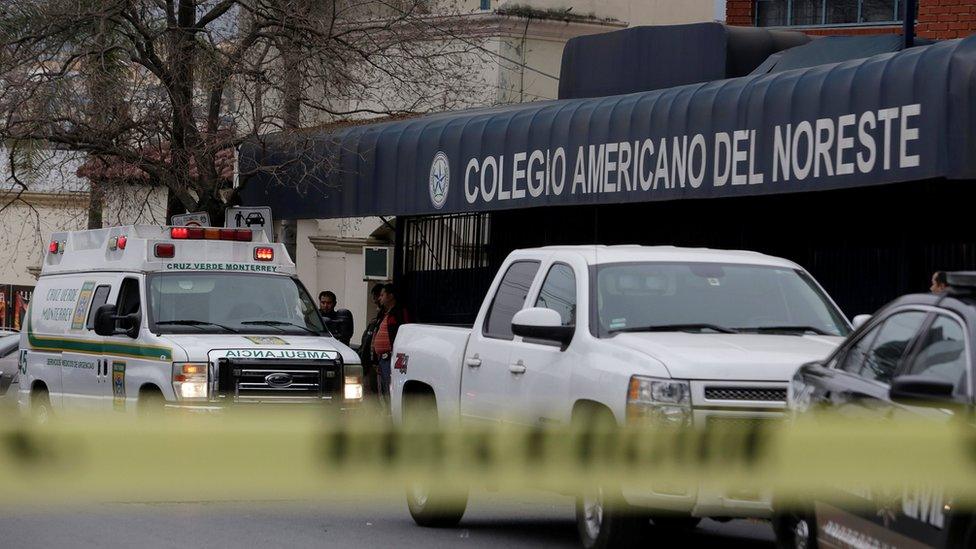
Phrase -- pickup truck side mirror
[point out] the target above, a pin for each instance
(106, 317)
(921, 391)
(542, 323)
(860, 320)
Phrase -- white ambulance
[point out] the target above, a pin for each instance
(141, 317)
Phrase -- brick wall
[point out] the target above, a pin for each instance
(937, 19)
(739, 12)
(946, 18)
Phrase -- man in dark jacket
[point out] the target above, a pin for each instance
(338, 321)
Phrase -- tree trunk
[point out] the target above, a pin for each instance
(96, 203)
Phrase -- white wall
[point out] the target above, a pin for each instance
(634, 12)
(26, 224)
(329, 257)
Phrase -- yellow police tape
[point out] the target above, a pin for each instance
(303, 455)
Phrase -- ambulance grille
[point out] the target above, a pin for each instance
(279, 380)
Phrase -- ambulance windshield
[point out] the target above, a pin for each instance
(220, 303)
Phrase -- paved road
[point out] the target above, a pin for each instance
(492, 521)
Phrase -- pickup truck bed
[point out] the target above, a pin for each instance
(436, 359)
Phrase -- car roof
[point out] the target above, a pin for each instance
(601, 254)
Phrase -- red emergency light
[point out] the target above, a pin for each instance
(165, 250)
(53, 247)
(201, 233)
(264, 254)
(121, 242)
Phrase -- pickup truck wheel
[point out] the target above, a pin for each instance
(795, 530)
(675, 522)
(433, 505)
(604, 521)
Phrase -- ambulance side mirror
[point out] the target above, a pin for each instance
(107, 318)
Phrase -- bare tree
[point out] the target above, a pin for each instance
(164, 90)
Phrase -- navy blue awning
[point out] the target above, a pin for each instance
(892, 117)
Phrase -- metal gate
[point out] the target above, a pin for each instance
(443, 266)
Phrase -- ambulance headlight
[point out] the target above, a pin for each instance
(190, 380)
(353, 388)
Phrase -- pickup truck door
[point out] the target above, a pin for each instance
(485, 375)
(542, 370)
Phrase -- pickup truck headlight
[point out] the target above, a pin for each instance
(190, 380)
(662, 400)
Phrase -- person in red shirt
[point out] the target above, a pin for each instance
(394, 317)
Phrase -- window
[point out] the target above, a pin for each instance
(942, 354)
(99, 299)
(559, 293)
(249, 303)
(877, 355)
(744, 298)
(785, 13)
(510, 299)
(128, 300)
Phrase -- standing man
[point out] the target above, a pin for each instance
(939, 282)
(366, 345)
(393, 318)
(339, 321)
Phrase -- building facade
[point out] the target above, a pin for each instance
(937, 19)
(523, 46)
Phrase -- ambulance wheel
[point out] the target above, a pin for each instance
(40, 407)
(151, 402)
(431, 504)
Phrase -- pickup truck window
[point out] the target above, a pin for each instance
(559, 293)
(509, 299)
(710, 298)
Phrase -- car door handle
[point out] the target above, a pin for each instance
(473, 362)
(517, 368)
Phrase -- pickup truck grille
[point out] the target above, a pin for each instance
(756, 394)
(278, 380)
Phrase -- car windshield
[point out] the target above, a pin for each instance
(711, 298)
(222, 303)
(8, 343)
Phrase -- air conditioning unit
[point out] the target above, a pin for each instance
(378, 262)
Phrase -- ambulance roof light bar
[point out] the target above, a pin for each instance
(210, 233)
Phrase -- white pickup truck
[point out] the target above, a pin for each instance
(686, 336)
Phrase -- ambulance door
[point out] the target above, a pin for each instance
(131, 363)
(82, 372)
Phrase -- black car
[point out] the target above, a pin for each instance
(914, 358)
(254, 218)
